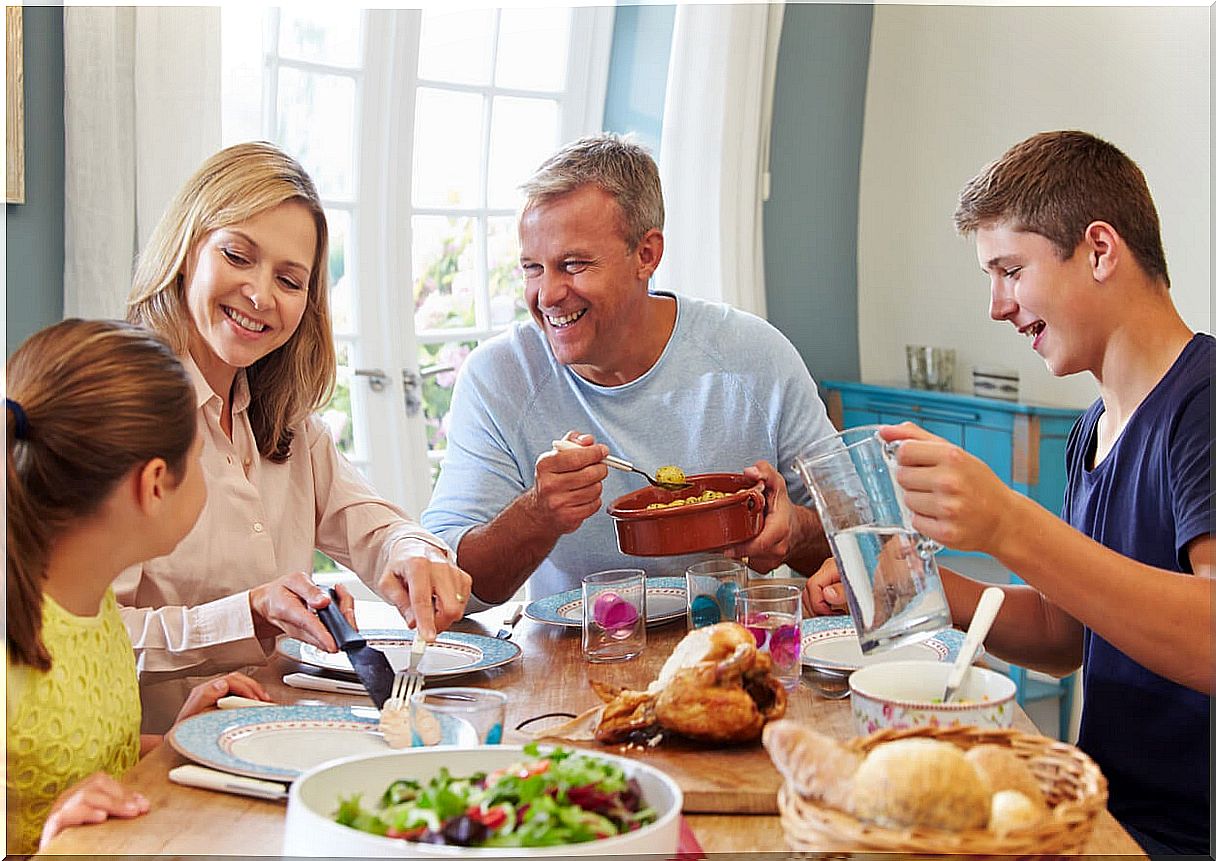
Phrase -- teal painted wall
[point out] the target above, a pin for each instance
(810, 219)
(637, 73)
(33, 269)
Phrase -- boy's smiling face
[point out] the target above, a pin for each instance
(1052, 302)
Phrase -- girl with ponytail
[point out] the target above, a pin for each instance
(102, 472)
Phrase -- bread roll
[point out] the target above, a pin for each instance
(1001, 769)
(816, 765)
(919, 782)
(1011, 811)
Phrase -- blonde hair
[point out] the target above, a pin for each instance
(94, 399)
(233, 186)
(617, 165)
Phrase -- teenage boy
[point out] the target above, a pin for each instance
(1066, 230)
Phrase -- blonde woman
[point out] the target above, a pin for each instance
(235, 278)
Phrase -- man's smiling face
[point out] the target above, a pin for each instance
(585, 286)
(1045, 298)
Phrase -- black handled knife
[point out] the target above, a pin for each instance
(372, 668)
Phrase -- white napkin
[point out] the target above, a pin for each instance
(209, 778)
(321, 683)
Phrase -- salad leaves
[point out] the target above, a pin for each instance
(551, 799)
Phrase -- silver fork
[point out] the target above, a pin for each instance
(394, 717)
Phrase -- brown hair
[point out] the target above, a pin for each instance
(233, 186)
(617, 165)
(1056, 184)
(93, 400)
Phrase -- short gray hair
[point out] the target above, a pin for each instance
(619, 166)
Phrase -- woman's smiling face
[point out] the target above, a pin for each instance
(247, 287)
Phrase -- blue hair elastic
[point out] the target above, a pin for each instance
(21, 424)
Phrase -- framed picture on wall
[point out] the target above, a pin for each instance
(14, 118)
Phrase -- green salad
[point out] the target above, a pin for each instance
(549, 799)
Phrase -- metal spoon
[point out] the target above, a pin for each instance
(625, 466)
(981, 621)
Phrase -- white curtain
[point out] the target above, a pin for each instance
(141, 112)
(714, 152)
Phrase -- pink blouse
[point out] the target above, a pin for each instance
(188, 613)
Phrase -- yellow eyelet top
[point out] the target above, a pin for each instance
(79, 717)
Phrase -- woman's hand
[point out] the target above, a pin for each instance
(204, 696)
(92, 800)
(428, 590)
(289, 604)
(823, 594)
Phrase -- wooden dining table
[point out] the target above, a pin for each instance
(730, 793)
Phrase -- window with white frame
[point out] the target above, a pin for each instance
(417, 127)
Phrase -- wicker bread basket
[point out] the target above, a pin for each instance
(1071, 783)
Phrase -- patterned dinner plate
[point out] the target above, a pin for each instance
(282, 742)
(666, 600)
(452, 654)
(830, 643)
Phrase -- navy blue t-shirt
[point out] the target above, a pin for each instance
(1147, 499)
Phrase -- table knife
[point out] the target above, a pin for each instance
(508, 624)
(372, 668)
(208, 778)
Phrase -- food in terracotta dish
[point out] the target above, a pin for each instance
(911, 782)
(703, 496)
(716, 687)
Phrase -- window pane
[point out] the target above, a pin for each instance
(506, 280)
(337, 413)
(532, 46)
(456, 46)
(445, 272)
(447, 148)
(317, 126)
(522, 135)
(321, 35)
(444, 360)
(341, 285)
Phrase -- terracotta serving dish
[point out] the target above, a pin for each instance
(694, 528)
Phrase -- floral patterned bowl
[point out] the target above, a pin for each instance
(907, 694)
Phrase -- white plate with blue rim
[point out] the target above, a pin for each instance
(666, 601)
(282, 742)
(830, 643)
(452, 654)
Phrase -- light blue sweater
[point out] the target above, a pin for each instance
(728, 390)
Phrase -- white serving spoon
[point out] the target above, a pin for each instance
(981, 622)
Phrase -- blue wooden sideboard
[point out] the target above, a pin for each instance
(1022, 443)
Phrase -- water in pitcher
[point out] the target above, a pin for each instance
(895, 596)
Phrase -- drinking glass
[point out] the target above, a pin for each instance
(712, 586)
(889, 573)
(614, 615)
(773, 613)
(476, 712)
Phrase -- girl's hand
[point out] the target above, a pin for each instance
(204, 696)
(92, 800)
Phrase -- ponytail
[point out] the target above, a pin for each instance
(88, 401)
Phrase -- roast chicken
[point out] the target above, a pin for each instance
(716, 687)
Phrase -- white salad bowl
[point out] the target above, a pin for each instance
(907, 694)
(314, 797)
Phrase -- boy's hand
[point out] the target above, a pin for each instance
(823, 594)
(954, 497)
(92, 800)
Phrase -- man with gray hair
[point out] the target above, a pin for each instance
(614, 367)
